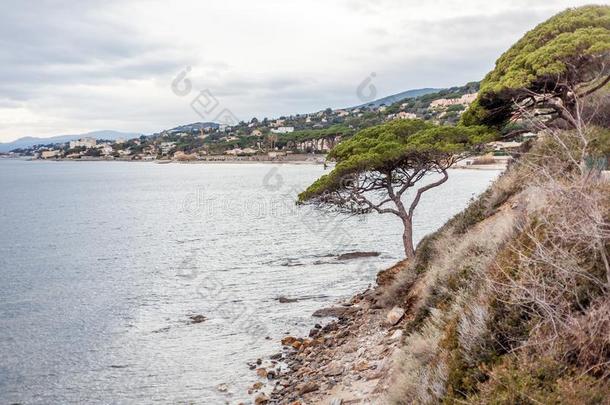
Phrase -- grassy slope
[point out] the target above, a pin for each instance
(508, 302)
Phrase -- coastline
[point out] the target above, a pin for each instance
(497, 166)
(344, 360)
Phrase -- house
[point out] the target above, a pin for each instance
(466, 99)
(166, 147)
(83, 142)
(48, 154)
(234, 152)
(283, 130)
(405, 116)
(105, 149)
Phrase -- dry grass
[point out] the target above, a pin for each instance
(510, 301)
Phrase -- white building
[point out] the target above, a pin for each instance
(166, 147)
(83, 142)
(283, 130)
(48, 154)
(405, 115)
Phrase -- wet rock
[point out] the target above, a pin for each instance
(395, 315)
(276, 356)
(314, 333)
(296, 345)
(197, 318)
(257, 386)
(261, 372)
(336, 312)
(270, 374)
(357, 255)
(222, 387)
(286, 300)
(288, 340)
(307, 387)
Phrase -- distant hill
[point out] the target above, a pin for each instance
(29, 141)
(194, 127)
(397, 97)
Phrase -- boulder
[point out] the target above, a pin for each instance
(309, 386)
(333, 369)
(197, 318)
(357, 255)
(261, 399)
(395, 315)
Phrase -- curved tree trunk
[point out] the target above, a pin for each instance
(407, 238)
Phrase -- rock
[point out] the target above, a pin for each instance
(296, 345)
(336, 401)
(362, 366)
(259, 361)
(261, 372)
(387, 276)
(396, 335)
(356, 255)
(333, 369)
(309, 386)
(288, 340)
(261, 399)
(257, 385)
(285, 300)
(332, 311)
(276, 356)
(222, 387)
(395, 315)
(270, 374)
(317, 326)
(197, 318)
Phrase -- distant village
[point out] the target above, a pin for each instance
(297, 137)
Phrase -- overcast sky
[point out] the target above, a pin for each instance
(72, 67)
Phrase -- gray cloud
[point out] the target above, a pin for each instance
(68, 66)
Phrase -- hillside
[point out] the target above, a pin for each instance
(396, 97)
(29, 141)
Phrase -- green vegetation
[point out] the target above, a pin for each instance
(565, 57)
(379, 164)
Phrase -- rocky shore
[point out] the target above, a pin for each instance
(344, 361)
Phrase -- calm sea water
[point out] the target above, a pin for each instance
(103, 263)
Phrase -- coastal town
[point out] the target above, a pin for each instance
(300, 137)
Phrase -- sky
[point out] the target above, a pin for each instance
(71, 67)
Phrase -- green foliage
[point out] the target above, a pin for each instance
(561, 49)
(386, 147)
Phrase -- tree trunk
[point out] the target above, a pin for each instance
(407, 238)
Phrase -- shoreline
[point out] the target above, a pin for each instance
(498, 166)
(346, 358)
